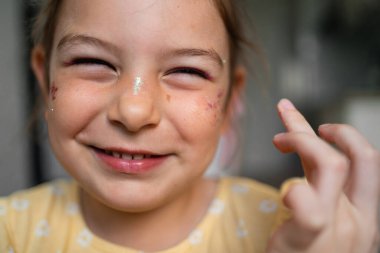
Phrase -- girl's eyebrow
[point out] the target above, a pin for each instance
(75, 39)
(209, 53)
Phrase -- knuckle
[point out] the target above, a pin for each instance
(370, 154)
(301, 135)
(316, 224)
(304, 137)
(340, 163)
(373, 154)
(300, 138)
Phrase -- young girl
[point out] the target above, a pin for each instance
(137, 96)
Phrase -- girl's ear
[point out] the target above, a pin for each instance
(235, 105)
(38, 61)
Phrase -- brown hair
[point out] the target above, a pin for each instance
(46, 21)
(44, 27)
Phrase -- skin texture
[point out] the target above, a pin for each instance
(182, 114)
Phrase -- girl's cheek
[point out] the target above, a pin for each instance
(73, 107)
(200, 113)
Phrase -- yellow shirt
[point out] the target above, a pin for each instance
(47, 219)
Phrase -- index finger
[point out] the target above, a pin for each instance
(292, 119)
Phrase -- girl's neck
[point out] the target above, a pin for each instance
(153, 230)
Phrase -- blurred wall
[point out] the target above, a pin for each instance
(14, 172)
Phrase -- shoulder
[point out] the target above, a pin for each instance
(38, 197)
(253, 197)
(28, 212)
(249, 188)
(254, 201)
(242, 216)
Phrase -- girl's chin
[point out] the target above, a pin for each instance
(130, 200)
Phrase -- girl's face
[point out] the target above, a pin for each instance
(137, 96)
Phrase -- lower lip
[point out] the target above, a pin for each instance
(131, 166)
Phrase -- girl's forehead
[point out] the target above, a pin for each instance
(146, 22)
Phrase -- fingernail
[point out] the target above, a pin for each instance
(323, 126)
(285, 104)
(278, 135)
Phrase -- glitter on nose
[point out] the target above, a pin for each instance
(137, 85)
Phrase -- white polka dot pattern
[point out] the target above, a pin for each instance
(268, 206)
(72, 209)
(216, 207)
(85, 238)
(20, 204)
(241, 230)
(57, 190)
(238, 188)
(3, 210)
(196, 237)
(42, 229)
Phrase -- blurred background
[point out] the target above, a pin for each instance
(324, 55)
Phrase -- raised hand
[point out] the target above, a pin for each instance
(336, 209)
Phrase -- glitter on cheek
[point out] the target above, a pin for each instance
(137, 85)
(53, 91)
(214, 105)
(217, 102)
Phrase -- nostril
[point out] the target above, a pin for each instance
(134, 112)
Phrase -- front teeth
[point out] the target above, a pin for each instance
(137, 157)
(116, 155)
(129, 156)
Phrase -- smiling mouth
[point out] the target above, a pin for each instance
(127, 155)
(129, 162)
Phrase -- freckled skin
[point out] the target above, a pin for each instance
(215, 105)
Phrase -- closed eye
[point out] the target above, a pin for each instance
(190, 71)
(91, 61)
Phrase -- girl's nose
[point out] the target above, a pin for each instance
(135, 111)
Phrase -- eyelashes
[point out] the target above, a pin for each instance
(190, 71)
(183, 70)
(91, 61)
